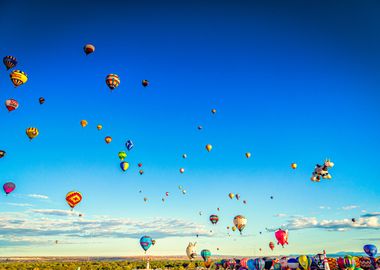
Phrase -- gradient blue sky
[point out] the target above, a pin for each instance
(292, 81)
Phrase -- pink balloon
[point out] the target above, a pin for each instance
(9, 187)
(281, 236)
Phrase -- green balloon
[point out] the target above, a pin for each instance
(122, 155)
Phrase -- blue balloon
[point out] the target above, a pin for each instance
(293, 263)
(371, 250)
(145, 242)
(129, 145)
(251, 264)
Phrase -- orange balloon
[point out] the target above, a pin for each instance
(108, 139)
(73, 198)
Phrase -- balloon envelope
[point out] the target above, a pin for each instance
(73, 198)
(18, 77)
(293, 263)
(145, 242)
(304, 262)
(206, 254)
(370, 250)
(9, 187)
(281, 236)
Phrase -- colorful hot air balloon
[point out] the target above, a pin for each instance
(88, 49)
(304, 262)
(231, 195)
(108, 139)
(282, 237)
(167, 194)
(349, 262)
(284, 263)
(237, 196)
(83, 123)
(140, 165)
(9, 187)
(248, 155)
(32, 132)
(207, 263)
(145, 83)
(181, 170)
(240, 222)
(208, 147)
(213, 111)
(277, 266)
(145, 242)
(243, 263)
(2, 153)
(41, 100)
(271, 245)
(99, 127)
(122, 155)
(73, 198)
(124, 166)
(112, 81)
(11, 104)
(293, 263)
(141, 172)
(153, 242)
(258, 264)
(233, 228)
(9, 62)
(18, 77)
(214, 219)
(370, 250)
(294, 166)
(129, 144)
(340, 262)
(206, 254)
(333, 265)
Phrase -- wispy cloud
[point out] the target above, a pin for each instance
(349, 207)
(373, 214)
(20, 204)
(45, 226)
(325, 207)
(38, 196)
(280, 215)
(363, 223)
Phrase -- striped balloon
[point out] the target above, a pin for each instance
(332, 263)
(18, 77)
(113, 81)
(349, 262)
(9, 61)
(243, 262)
(214, 219)
(258, 263)
(73, 198)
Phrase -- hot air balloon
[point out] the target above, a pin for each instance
(271, 197)
(370, 250)
(145, 199)
(83, 123)
(184, 156)
(32, 132)
(9, 187)
(18, 77)
(167, 194)
(277, 266)
(353, 220)
(233, 228)
(245, 202)
(184, 191)
(122, 155)
(41, 100)
(294, 166)
(293, 263)
(9, 62)
(304, 262)
(145, 83)
(282, 237)
(73, 198)
(206, 254)
(145, 242)
(181, 170)
(231, 195)
(271, 245)
(258, 264)
(153, 242)
(112, 81)
(200, 127)
(11, 104)
(213, 111)
(108, 139)
(207, 263)
(129, 145)
(124, 166)
(333, 265)
(214, 219)
(88, 49)
(180, 187)
(190, 251)
(248, 155)
(139, 165)
(243, 263)
(365, 263)
(163, 199)
(349, 262)
(284, 263)
(340, 262)
(237, 196)
(240, 222)
(208, 147)
(99, 127)
(2, 153)
(141, 172)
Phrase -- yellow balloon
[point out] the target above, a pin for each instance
(294, 166)
(248, 154)
(83, 123)
(208, 147)
(99, 127)
(18, 77)
(32, 132)
(231, 195)
(304, 262)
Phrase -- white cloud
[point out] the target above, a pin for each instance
(38, 196)
(20, 204)
(349, 207)
(55, 212)
(373, 214)
(366, 222)
(280, 215)
(325, 207)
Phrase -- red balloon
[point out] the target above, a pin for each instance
(271, 245)
(282, 237)
(340, 262)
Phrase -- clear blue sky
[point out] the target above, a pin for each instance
(292, 81)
